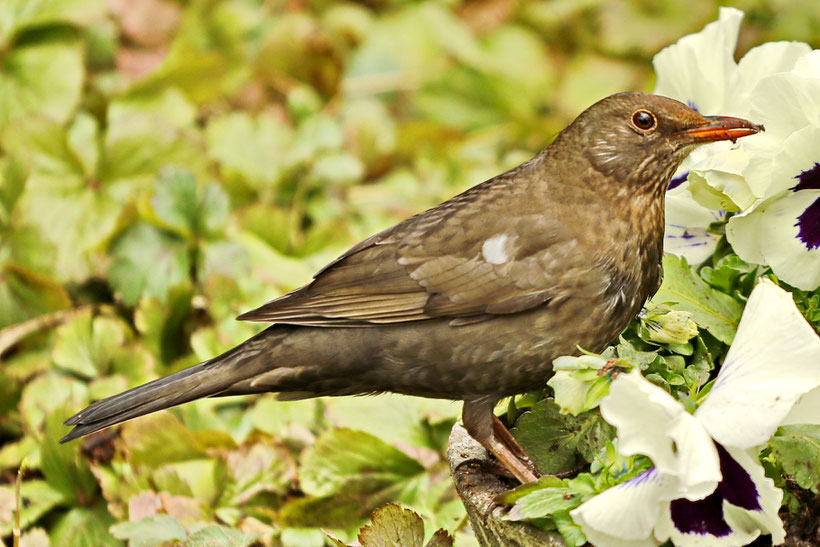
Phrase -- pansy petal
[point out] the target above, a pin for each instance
(743, 233)
(700, 68)
(774, 359)
(570, 393)
(769, 497)
(686, 227)
(770, 58)
(625, 514)
(792, 243)
(808, 65)
(806, 410)
(785, 103)
(650, 422)
(793, 167)
(734, 514)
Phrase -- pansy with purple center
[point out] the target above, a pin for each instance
(808, 223)
(707, 486)
(776, 84)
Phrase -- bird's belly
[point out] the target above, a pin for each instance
(500, 356)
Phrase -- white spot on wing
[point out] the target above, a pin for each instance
(494, 249)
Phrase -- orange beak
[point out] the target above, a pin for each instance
(723, 128)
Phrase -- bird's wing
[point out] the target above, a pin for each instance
(449, 262)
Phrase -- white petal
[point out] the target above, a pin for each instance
(686, 227)
(761, 152)
(720, 165)
(785, 103)
(770, 58)
(808, 65)
(744, 524)
(570, 393)
(806, 410)
(665, 529)
(774, 359)
(765, 521)
(799, 153)
(625, 514)
(743, 232)
(788, 255)
(650, 422)
(700, 68)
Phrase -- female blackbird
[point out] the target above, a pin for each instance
(474, 298)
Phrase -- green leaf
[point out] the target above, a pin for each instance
(160, 439)
(38, 498)
(189, 209)
(797, 448)
(544, 502)
(393, 525)
(49, 394)
(24, 295)
(150, 531)
(62, 467)
(559, 442)
(399, 420)
(163, 324)
(17, 15)
(222, 536)
(344, 460)
(87, 345)
(253, 148)
(716, 312)
(147, 262)
(83, 527)
(571, 532)
(41, 79)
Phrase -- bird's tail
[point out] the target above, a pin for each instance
(203, 380)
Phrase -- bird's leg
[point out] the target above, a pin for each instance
(477, 416)
(506, 438)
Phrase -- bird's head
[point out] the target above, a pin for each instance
(640, 139)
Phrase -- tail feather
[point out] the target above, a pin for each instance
(205, 379)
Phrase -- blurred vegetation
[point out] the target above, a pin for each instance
(166, 165)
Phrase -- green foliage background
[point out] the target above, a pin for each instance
(166, 165)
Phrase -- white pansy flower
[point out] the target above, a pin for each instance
(707, 486)
(776, 84)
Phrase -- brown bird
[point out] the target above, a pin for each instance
(474, 298)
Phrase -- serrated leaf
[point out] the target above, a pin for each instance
(222, 536)
(87, 345)
(558, 442)
(716, 312)
(150, 531)
(159, 439)
(254, 148)
(82, 527)
(49, 393)
(797, 448)
(187, 208)
(344, 460)
(148, 262)
(393, 525)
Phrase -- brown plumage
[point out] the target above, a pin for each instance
(474, 298)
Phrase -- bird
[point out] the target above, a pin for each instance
(472, 299)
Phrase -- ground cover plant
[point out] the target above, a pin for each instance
(166, 165)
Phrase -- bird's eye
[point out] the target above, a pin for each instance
(644, 120)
